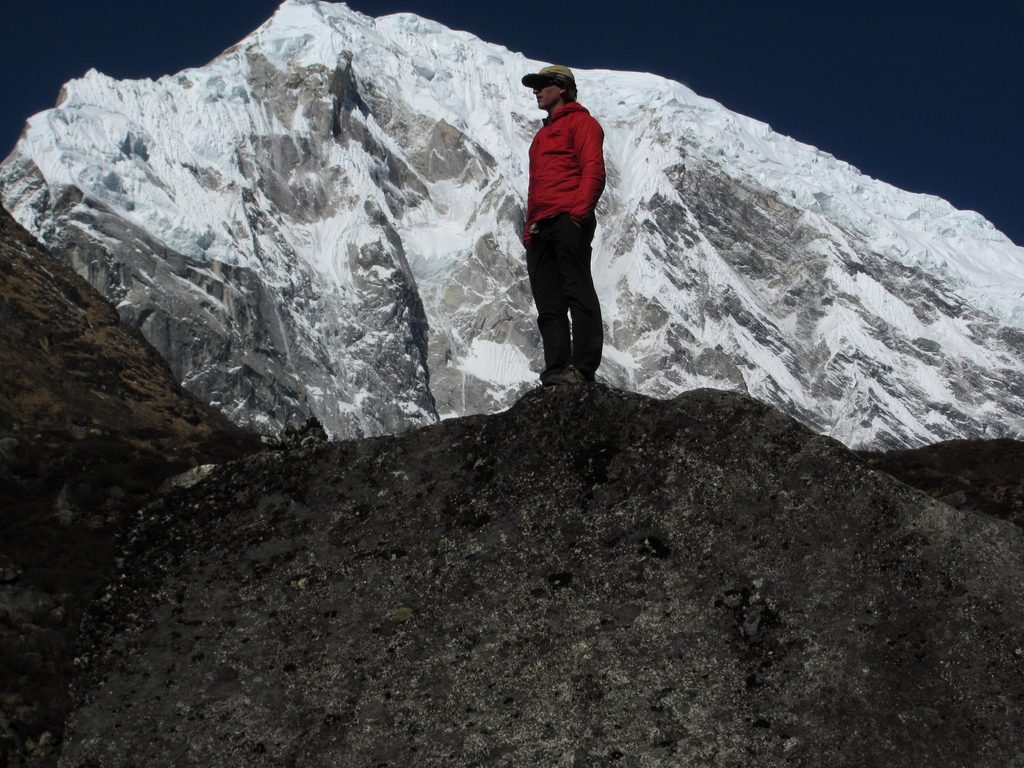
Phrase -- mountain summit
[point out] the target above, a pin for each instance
(325, 220)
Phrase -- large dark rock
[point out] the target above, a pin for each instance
(590, 578)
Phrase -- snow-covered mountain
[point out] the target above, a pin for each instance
(325, 220)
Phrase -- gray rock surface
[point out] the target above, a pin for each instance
(591, 578)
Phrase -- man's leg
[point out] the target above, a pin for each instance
(552, 310)
(572, 244)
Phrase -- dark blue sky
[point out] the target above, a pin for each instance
(928, 96)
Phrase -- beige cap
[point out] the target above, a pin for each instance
(556, 74)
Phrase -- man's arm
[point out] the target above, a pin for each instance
(588, 141)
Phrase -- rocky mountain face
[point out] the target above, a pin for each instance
(91, 422)
(325, 220)
(590, 578)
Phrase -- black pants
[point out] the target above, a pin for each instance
(558, 260)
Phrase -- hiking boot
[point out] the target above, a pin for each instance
(569, 375)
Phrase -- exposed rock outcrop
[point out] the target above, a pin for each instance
(591, 578)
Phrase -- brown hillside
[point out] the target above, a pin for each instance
(91, 421)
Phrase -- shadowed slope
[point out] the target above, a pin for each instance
(91, 421)
(983, 475)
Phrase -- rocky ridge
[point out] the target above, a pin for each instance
(591, 578)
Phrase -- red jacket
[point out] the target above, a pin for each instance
(566, 166)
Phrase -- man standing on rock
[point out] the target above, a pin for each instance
(566, 181)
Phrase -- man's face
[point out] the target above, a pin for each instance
(549, 97)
